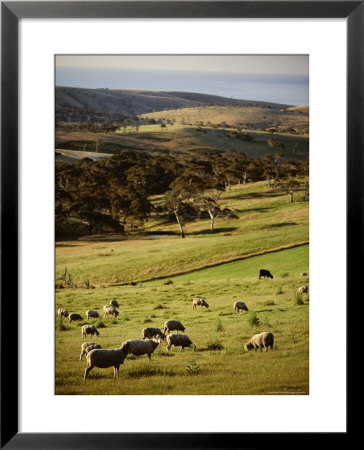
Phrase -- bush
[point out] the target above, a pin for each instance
(298, 299)
(219, 326)
(147, 320)
(100, 323)
(60, 324)
(214, 345)
(193, 368)
(253, 319)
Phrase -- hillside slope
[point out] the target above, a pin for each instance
(81, 104)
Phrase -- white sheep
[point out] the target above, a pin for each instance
(303, 290)
(92, 314)
(86, 347)
(74, 316)
(110, 311)
(62, 312)
(140, 347)
(262, 340)
(114, 302)
(150, 332)
(178, 340)
(199, 301)
(89, 329)
(173, 325)
(240, 306)
(103, 359)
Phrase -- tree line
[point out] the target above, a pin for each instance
(108, 194)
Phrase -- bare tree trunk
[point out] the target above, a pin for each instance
(291, 196)
(212, 221)
(305, 195)
(179, 224)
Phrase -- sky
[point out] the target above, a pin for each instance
(275, 78)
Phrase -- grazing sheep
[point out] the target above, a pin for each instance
(198, 301)
(89, 329)
(261, 340)
(114, 302)
(173, 325)
(62, 313)
(103, 359)
(74, 316)
(265, 273)
(303, 290)
(178, 340)
(110, 311)
(152, 332)
(86, 347)
(240, 306)
(139, 348)
(92, 314)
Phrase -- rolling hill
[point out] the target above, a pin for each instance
(81, 104)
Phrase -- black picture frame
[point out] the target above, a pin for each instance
(11, 12)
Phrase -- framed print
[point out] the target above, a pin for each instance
(199, 151)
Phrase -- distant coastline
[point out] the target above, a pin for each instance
(282, 89)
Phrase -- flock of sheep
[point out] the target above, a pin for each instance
(152, 337)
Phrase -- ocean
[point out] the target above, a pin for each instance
(286, 89)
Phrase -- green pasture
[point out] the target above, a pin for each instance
(216, 266)
(266, 221)
(219, 364)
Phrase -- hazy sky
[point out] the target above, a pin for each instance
(262, 64)
(274, 78)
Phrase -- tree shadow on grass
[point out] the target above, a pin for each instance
(58, 245)
(252, 210)
(278, 225)
(216, 231)
(252, 195)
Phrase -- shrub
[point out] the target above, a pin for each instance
(60, 324)
(100, 323)
(219, 326)
(147, 320)
(298, 299)
(193, 368)
(214, 345)
(253, 319)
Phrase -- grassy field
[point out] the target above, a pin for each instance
(218, 333)
(183, 137)
(266, 222)
(258, 117)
